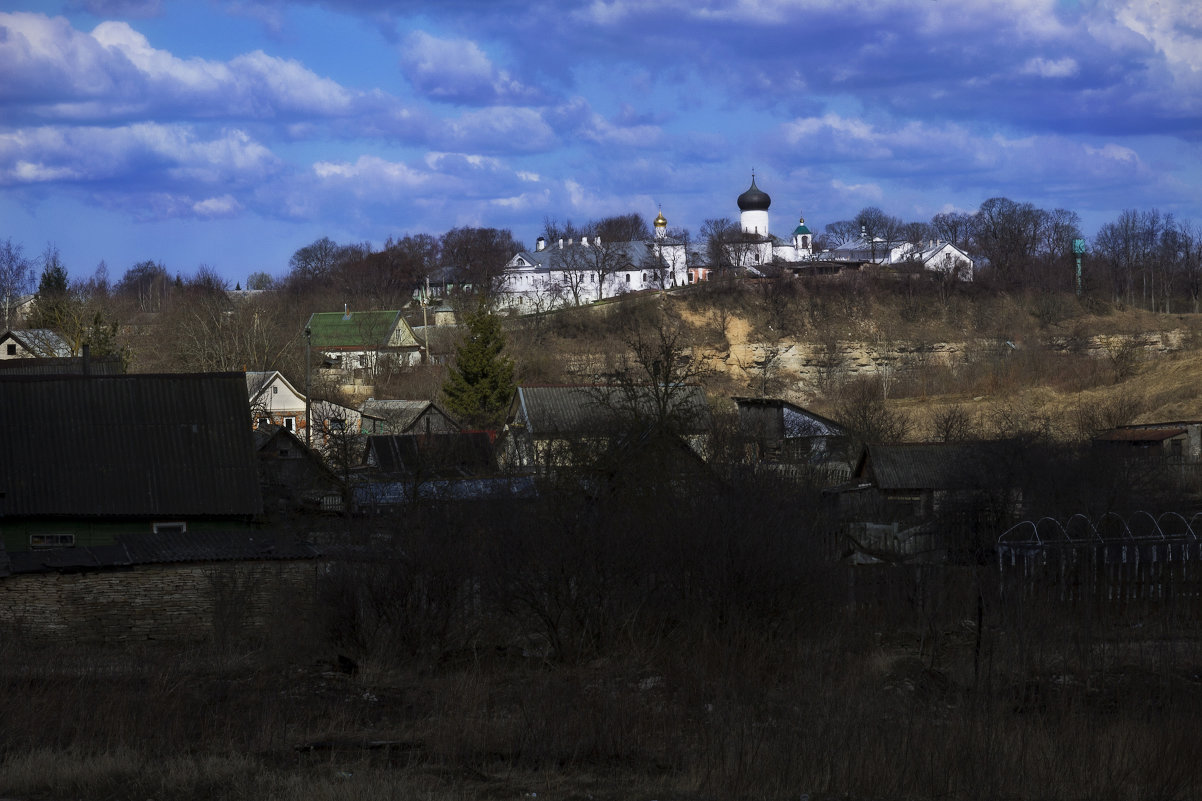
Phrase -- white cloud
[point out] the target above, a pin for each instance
(114, 72)
(457, 70)
(500, 129)
(223, 206)
(1044, 68)
(144, 153)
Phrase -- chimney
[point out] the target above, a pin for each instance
(87, 359)
(540, 245)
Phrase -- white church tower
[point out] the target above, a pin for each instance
(753, 210)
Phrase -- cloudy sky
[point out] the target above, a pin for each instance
(232, 132)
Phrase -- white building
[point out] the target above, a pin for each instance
(935, 255)
(574, 272)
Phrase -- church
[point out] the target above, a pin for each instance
(757, 245)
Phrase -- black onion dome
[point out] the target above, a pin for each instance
(754, 199)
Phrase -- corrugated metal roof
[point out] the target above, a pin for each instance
(41, 342)
(920, 465)
(461, 454)
(127, 445)
(65, 365)
(400, 414)
(498, 488)
(550, 411)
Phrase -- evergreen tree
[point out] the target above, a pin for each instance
(480, 384)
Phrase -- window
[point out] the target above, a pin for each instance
(336, 425)
(290, 423)
(285, 453)
(275, 390)
(262, 421)
(12, 349)
(174, 527)
(51, 540)
(628, 278)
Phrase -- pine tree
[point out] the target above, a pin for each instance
(480, 384)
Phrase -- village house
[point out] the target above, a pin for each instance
(775, 431)
(31, 343)
(274, 401)
(380, 416)
(362, 345)
(89, 458)
(550, 428)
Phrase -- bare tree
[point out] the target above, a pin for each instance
(16, 278)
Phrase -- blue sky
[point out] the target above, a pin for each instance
(232, 132)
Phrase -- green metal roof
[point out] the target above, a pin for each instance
(361, 330)
(801, 229)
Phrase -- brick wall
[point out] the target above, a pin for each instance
(219, 601)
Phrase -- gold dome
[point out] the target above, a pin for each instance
(660, 222)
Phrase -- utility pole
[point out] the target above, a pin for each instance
(308, 403)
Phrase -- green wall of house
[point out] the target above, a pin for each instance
(18, 535)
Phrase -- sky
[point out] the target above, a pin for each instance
(230, 133)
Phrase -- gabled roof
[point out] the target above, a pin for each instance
(360, 330)
(39, 341)
(823, 426)
(559, 410)
(127, 446)
(62, 365)
(445, 455)
(936, 465)
(400, 413)
(258, 381)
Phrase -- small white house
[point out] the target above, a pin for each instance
(273, 400)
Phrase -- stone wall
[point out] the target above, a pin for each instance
(813, 364)
(220, 602)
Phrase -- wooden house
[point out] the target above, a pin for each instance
(88, 458)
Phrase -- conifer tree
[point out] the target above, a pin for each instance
(480, 384)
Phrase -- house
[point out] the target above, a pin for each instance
(571, 272)
(32, 343)
(89, 458)
(182, 587)
(422, 456)
(932, 498)
(274, 401)
(1175, 442)
(381, 416)
(292, 476)
(935, 256)
(551, 427)
(363, 343)
(778, 432)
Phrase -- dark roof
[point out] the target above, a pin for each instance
(150, 549)
(1139, 434)
(919, 465)
(400, 414)
(127, 446)
(445, 455)
(551, 411)
(65, 365)
(780, 403)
